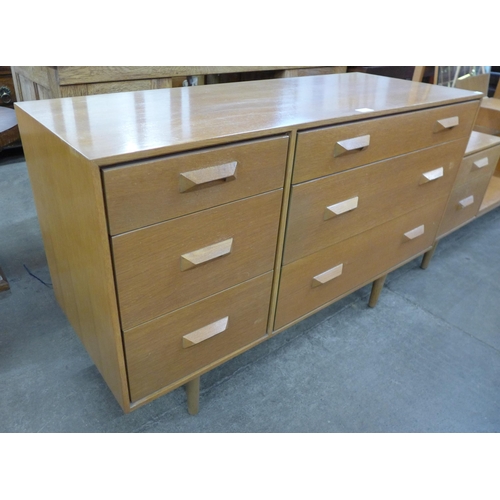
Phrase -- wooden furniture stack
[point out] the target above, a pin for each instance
(184, 226)
(49, 82)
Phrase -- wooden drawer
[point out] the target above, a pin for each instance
(328, 150)
(169, 265)
(179, 344)
(317, 279)
(464, 203)
(145, 193)
(331, 209)
(478, 165)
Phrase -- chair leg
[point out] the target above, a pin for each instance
(193, 396)
(428, 256)
(376, 289)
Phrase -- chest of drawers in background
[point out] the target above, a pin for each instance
(474, 176)
(184, 226)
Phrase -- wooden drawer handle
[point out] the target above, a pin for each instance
(432, 175)
(203, 176)
(340, 208)
(483, 162)
(327, 276)
(466, 202)
(415, 233)
(198, 257)
(446, 124)
(205, 333)
(351, 145)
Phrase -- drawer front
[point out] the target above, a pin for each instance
(320, 278)
(325, 151)
(331, 209)
(478, 165)
(165, 350)
(464, 203)
(169, 265)
(146, 193)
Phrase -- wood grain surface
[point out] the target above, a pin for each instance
(127, 126)
(149, 277)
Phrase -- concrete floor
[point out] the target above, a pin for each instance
(426, 359)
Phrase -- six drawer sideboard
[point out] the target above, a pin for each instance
(184, 226)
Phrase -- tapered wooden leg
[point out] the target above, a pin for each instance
(193, 395)
(376, 289)
(428, 256)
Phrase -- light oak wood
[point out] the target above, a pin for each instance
(122, 127)
(389, 136)
(197, 178)
(415, 233)
(486, 159)
(488, 117)
(377, 288)
(447, 124)
(193, 396)
(70, 206)
(203, 255)
(116, 148)
(148, 272)
(432, 175)
(282, 231)
(491, 198)
(327, 276)
(48, 82)
(205, 333)
(341, 208)
(428, 256)
(363, 256)
(479, 142)
(464, 203)
(480, 163)
(155, 353)
(140, 194)
(385, 189)
(354, 145)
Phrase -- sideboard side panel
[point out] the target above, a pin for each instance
(68, 196)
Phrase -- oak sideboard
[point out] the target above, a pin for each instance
(184, 226)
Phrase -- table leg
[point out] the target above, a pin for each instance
(376, 289)
(193, 395)
(428, 256)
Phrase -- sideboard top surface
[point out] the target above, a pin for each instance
(115, 128)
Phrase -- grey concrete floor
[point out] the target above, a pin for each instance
(426, 359)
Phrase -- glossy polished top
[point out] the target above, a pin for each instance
(113, 128)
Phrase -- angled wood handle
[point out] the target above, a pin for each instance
(205, 332)
(446, 124)
(198, 257)
(327, 276)
(197, 178)
(483, 162)
(415, 233)
(340, 208)
(351, 145)
(432, 175)
(466, 202)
